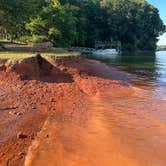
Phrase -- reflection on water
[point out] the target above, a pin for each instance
(147, 69)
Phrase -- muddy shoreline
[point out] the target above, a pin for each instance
(31, 92)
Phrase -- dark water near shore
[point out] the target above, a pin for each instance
(146, 69)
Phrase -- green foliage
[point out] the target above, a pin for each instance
(135, 23)
(38, 38)
(13, 16)
(55, 22)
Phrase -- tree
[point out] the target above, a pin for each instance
(14, 14)
(135, 23)
(55, 22)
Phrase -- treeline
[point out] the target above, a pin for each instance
(134, 23)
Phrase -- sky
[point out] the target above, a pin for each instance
(161, 5)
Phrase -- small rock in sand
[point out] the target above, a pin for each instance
(21, 135)
(47, 136)
(15, 113)
(22, 154)
(2, 154)
(18, 113)
(33, 107)
(52, 100)
(52, 108)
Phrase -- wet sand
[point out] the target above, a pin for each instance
(96, 118)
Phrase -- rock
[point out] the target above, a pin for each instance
(2, 154)
(33, 107)
(52, 100)
(11, 113)
(47, 136)
(52, 108)
(15, 113)
(18, 113)
(22, 154)
(20, 135)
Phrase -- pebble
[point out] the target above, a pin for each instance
(19, 113)
(22, 154)
(2, 154)
(33, 107)
(20, 135)
(52, 108)
(15, 113)
(52, 100)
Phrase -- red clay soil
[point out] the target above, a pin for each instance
(32, 89)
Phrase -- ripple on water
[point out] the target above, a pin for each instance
(114, 131)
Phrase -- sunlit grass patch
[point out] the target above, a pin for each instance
(23, 55)
(11, 55)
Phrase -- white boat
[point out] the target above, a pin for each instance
(106, 52)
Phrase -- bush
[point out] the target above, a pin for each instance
(38, 39)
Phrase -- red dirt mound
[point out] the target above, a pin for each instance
(38, 68)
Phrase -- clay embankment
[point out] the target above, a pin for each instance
(34, 89)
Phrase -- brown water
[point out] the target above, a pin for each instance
(115, 131)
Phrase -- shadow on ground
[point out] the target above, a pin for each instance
(38, 68)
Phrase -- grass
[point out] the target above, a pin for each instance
(23, 55)
(19, 51)
(9, 55)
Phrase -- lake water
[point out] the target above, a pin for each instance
(148, 69)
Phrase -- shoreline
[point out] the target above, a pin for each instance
(31, 94)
